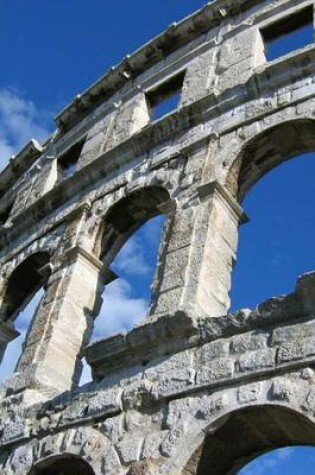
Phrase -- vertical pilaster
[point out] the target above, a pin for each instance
(194, 272)
(63, 323)
(213, 251)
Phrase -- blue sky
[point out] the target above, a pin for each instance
(50, 52)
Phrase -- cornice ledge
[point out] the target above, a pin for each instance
(133, 65)
(216, 188)
(70, 256)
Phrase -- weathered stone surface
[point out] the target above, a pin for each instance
(130, 448)
(218, 370)
(249, 393)
(257, 360)
(180, 385)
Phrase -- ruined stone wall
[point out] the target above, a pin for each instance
(169, 396)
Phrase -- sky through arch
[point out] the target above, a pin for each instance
(276, 246)
(296, 460)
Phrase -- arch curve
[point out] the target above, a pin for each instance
(85, 444)
(24, 281)
(126, 215)
(267, 150)
(247, 433)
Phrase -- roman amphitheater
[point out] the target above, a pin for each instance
(192, 389)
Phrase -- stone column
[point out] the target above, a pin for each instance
(52, 352)
(197, 259)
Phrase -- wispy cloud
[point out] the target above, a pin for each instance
(20, 120)
(120, 311)
(131, 258)
(123, 307)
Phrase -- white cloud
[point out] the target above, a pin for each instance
(20, 120)
(131, 258)
(120, 311)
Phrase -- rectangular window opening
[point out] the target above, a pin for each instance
(166, 97)
(289, 34)
(67, 163)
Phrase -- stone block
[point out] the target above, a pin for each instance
(106, 402)
(245, 46)
(282, 390)
(199, 78)
(15, 431)
(249, 393)
(152, 444)
(292, 333)
(237, 75)
(257, 360)
(129, 448)
(213, 350)
(209, 406)
(249, 342)
(216, 371)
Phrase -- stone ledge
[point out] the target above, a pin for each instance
(142, 344)
(172, 334)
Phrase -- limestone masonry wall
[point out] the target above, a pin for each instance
(191, 389)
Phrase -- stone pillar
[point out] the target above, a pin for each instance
(198, 256)
(52, 352)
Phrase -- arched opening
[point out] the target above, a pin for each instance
(128, 215)
(21, 324)
(129, 248)
(246, 434)
(22, 295)
(65, 465)
(23, 283)
(276, 246)
(126, 300)
(268, 150)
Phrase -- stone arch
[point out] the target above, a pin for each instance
(86, 444)
(193, 421)
(267, 150)
(24, 281)
(126, 215)
(247, 433)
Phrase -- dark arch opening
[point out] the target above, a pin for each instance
(129, 214)
(66, 465)
(247, 433)
(23, 283)
(268, 150)
(21, 299)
